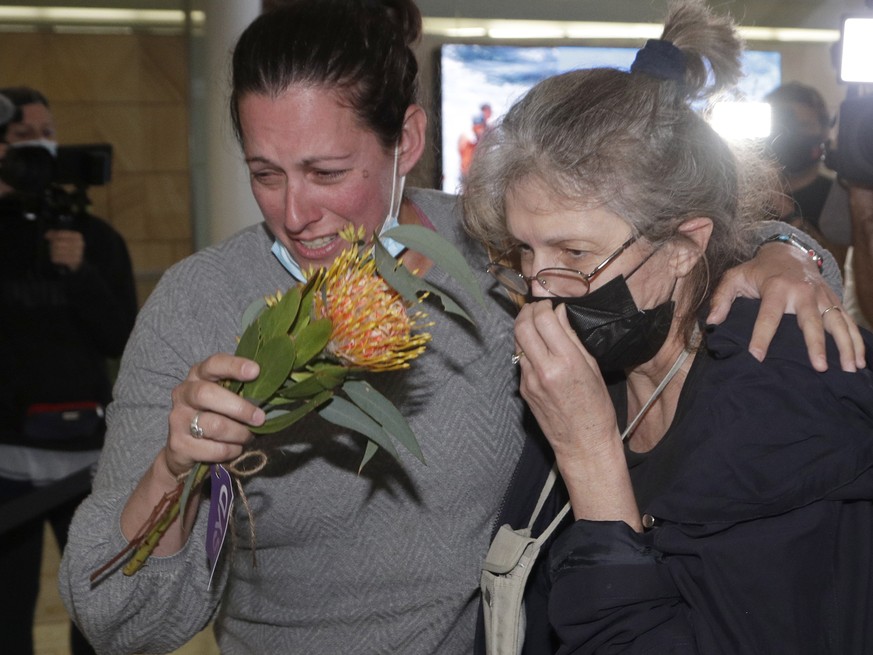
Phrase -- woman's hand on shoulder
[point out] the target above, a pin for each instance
(223, 417)
(788, 282)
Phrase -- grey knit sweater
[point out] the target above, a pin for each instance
(382, 562)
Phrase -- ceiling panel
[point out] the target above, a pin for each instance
(781, 13)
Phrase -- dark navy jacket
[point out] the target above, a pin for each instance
(762, 498)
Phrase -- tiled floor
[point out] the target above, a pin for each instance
(51, 633)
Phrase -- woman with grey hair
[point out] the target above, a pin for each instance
(718, 503)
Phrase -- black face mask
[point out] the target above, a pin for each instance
(796, 152)
(613, 329)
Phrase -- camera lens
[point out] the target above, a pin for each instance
(27, 169)
(854, 156)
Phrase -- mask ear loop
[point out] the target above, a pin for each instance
(640, 265)
(394, 170)
(392, 213)
(392, 219)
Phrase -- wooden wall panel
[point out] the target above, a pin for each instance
(137, 68)
(21, 61)
(144, 137)
(151, 206)
(130, 91)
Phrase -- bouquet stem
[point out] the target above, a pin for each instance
(162, 517)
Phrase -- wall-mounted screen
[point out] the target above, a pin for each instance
(478, 83)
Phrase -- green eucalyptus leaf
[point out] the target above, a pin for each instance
(384, 413)
(276, 358)
(409, 286)
(370, 450)
(312, 339)
(398, 277)
(281, 420)
(277, 320)
(442, 253)
(345, 414)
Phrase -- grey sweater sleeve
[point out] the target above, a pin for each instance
(830, 270)
(193, 313)
(166, 603)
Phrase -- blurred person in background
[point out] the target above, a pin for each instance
(67, 306)
(801, 131)
(860, 288)
(468, 140)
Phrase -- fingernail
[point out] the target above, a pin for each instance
(258, 417)
(250, 369)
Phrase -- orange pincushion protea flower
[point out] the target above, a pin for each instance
(372, 325)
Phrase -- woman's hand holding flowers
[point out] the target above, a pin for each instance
(224, 417)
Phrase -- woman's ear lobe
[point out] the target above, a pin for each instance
(688, 250)
(412, 139)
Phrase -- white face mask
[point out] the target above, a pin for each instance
(48, 144)
(393, 247)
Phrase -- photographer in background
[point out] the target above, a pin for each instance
(861, 199)
(67, 305)
(799, 137)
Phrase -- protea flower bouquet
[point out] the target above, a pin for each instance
(315, 342)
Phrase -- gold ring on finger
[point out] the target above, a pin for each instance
(829, 309)
(195, 429)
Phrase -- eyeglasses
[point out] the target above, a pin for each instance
(557, 281)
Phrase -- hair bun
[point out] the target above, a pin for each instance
(661, 59)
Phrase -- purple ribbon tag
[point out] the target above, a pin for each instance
(221, 501)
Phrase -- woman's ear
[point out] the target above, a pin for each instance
(412, 138)
(687, 251)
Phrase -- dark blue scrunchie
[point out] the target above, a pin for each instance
(660, 59)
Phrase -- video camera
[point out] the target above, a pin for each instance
(40, 179)
(43, 181)
(852, 159)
